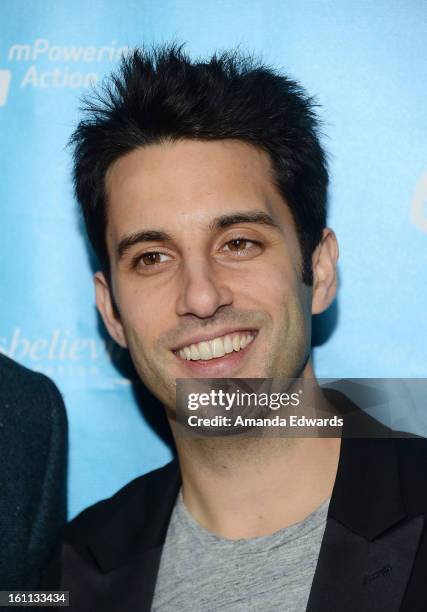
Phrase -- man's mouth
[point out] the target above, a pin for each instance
(216, 347)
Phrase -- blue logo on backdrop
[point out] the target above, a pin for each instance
(61, 354)
(52, 66)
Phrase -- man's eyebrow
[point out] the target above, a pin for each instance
(255, 216)
(144, 236)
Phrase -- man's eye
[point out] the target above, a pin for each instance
(150, 259)
(240, 245)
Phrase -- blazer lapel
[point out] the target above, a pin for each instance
(110, 589)
(128, 560)
(369, 545)
(354, 573)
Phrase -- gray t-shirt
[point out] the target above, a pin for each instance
(202, 572)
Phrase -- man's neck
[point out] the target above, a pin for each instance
(255, 486)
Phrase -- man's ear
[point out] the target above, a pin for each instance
(104, 303)
(324, 260)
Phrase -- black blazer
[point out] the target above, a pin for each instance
(33, 436)
(373, 556)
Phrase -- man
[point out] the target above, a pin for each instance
(33, 430)
(203, 187)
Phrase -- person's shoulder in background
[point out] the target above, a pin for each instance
(33, 457)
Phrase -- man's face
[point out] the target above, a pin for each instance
(205, 266)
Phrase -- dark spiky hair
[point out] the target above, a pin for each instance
(161, 95)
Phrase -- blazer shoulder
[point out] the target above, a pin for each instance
(126, 501)
(18, 382)
(412, 453)
(11, 370)
(30, 402)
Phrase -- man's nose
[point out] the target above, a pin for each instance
(203, 290)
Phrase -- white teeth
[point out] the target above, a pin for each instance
(218, 347)
(194, 352)
(205, 350)
(228, 344)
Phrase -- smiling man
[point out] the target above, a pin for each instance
(203, 187)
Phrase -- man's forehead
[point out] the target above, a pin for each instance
(188, 165)
(189, 182)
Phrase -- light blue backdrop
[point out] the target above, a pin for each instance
(366, 63)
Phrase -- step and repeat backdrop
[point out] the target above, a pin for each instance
(365, 62)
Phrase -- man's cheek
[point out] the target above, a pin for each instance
(141, 317)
